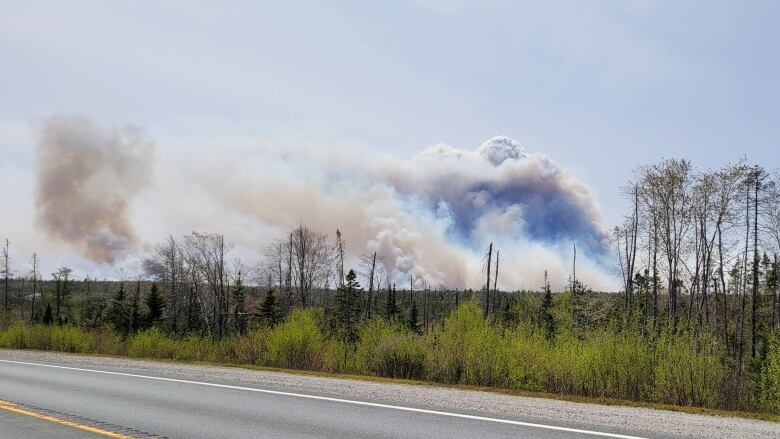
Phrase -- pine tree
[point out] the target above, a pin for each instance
(48, 315)
(414, 323)
(391, 306)
(134, 321)
(269, 310)
(348, 307)
(239, 307)
(155, 304)
(548, 320)
(118, 311)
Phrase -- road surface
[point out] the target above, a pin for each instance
(147, 399)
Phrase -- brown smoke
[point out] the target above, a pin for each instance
(86, 178)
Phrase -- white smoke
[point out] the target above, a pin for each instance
(431, 215)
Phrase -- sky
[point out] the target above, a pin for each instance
(596, 88)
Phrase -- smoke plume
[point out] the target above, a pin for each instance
(86, 179)
(431, 215)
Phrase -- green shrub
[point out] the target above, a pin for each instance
(297, 343)
(15, 337)
(446, 359)
(151, 343)
(59, 338)
(252, 347)
(687, 372)
(529, 359)
(105, 340)
(389, 349)
(769, 378)
(193, 348)
(339, 356)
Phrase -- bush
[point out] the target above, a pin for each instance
(297, 343)
(339, 356)
(105, 340)
(193, 348)
(687, 372)
(769, 379)
(251, 348)
(529, 359)
(15, 337)
(389, 349)
(59, 338)
(151, 343)
(446, 360)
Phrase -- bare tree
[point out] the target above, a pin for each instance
(495, 283)
(670, 184)
(207, 253)
(35, 285)
(6, 273)
(489, 259)
(369, 266)
(312, 259)
(167, 265)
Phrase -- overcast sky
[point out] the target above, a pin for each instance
(598, 86)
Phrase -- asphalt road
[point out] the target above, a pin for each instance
(162, 403)
(14, 425)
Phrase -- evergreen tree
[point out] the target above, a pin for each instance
(548, 320)
(118, 311)
(391, 308)
(414, 323)
(348, 307)
(155, 304)
(134, 320)
(48, 315)
(239, 309)
(269, 310)
(506, 315)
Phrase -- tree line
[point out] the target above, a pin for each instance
(698, 250)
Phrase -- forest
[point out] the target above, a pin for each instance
(695, 323)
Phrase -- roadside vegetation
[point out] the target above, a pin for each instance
(466, 348)
(696, 323)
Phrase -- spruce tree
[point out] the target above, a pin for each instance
(134, 320)
(155, 304)
(548, 320)
(118, 311)
(48, 315)
(269, 310)
(391, 308)
(348, 307)
(239, 309)
(414, 323)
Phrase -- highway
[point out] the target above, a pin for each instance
(164, 401)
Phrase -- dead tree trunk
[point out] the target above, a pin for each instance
(371, 285)
(754, 304)
(487, 283)
(495, 283)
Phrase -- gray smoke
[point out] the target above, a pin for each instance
(431, 215)
(86, 179)
(501, 187)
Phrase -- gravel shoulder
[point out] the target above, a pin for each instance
(644, 421)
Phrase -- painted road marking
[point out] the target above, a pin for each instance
(11, 407)
(340, 400)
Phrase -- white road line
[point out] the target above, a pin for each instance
(344, 401)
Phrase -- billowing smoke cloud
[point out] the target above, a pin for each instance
(431, 215)
(501, 189)
(86, 178)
